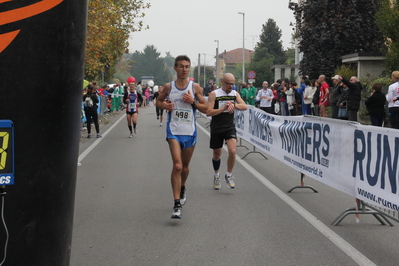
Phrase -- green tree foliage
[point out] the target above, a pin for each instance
(149, 63)
(290, 56)
(270, 38)
(261, 63)
(388, 20)
(109, 25)
(269, 51)
(329, 29)
(209, 75)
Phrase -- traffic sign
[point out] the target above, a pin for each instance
(251, 74)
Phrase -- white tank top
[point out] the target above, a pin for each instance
(181, 121)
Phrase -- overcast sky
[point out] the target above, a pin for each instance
(191, 27)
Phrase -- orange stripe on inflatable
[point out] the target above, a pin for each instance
(7, 38)
(27, 11)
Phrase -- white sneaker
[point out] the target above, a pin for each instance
(216, 183)
(131, 135)
(230, 181)
(176, 214)
(160, 124)
(135, 131)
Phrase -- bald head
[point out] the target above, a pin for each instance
(228, 82)
(229, 76)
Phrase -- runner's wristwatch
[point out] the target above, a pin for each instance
(194, 103)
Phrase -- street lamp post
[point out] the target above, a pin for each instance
(204, 70)
(243, 45)
(199, 68)
(217, 62)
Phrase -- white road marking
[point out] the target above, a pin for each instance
(95, 143)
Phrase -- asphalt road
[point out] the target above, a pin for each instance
(124, 203)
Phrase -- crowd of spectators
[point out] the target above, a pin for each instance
(338, 98)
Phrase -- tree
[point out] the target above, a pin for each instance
(108, 27)
(261, 63)
(271, 39)
(329, 29)
(149, 63)
(269, 51)
(209, 75)
(388, 20)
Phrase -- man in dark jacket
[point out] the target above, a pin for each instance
(354, 96)
(335, 92)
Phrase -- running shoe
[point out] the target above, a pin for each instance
(230, 181)
(99, 136)
(160, 124)
(183, 197)
(216, 183)
(135, 131)
(131, 135)
(176, 214)
(89, 136)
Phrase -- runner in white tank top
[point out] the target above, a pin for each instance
(181, 121)
(181, 98)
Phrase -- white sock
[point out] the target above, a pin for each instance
(229, 174)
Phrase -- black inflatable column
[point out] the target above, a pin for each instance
(42, 44)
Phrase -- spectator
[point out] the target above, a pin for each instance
(308, 97)
(90, 100)
(334, 96)
(291, 98)
(300, 93)
(282, 97)
(215, 87)
(265, 96)
(316, 96)
(244, 92)
(324, 93)
(354, 97)
(138, 88)
(252, 91)
(376, 106)
(274, 89)
(342, 101)
(392, 98)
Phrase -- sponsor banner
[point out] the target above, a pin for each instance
(361, 161)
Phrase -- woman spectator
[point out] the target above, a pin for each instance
(308, 97)
(393, 103)
(376, 106)
(291, 98)
(282, 98)
(316, 96)
(274, 88)
(90, 100)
